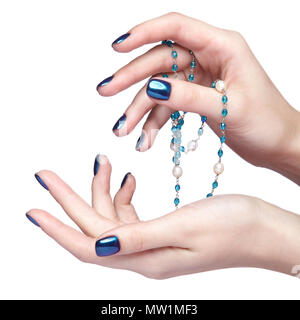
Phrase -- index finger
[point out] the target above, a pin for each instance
(189, 32)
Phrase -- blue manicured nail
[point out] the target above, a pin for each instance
(96, 164)
(107, 246)
(159, 89)
(42, 183)
(121, 38)
(125, 179)
(140, 141)
(119, 124)
(104, 82)
(32, 220)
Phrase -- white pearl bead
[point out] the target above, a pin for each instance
(174, 147)
(220, 86)
(192, 145)
(218, 168)
(177, 172)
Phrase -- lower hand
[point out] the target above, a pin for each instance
(219, 232)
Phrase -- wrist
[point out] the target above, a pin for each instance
(277, 245)
(287, 160)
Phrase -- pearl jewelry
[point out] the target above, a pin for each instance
(177, 119)
(173, 147)
(220, 86)
(177, 172)
(218, 168)
(192, 145)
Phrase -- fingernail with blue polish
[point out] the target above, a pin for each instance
(159, 89)
(32, 220)
(121, 38)
(96, 164)
(104, 82)
(107, 246)
(42, 183)
(119, 124)
(140, 141)
(125, 179)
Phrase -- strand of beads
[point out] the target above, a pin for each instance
(177, 119)
(220, 86)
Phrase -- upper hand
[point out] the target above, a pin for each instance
(261, 126)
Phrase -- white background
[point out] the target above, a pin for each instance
(53, 54)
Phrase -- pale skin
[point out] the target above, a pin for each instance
(219, 232)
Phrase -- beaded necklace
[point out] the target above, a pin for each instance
(177, 120)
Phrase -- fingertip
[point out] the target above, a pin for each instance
(31, 219)
(101, 160)
(36, 216)
(124, 181)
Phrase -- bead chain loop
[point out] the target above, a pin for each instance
(177, 120)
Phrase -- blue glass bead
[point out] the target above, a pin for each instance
(215, 184)
(182, 148)
(178, 140)
(165, 75)
(178, 126)
(200, 131)
(169, 43)
(222, 139)
(223, 125)
(174, 54)
(203, 118)
(177, 154)
(181, 122)
(191, 77)
(224, 112)
(174, 67)
(213, 85)
(209, 195)
(174, 129)
(193, 64)
(220, 153)
(176, 114)
(176, 201)
(173, 140)
(177, 187)
(224, 99)
(164, 41)
(175, 160)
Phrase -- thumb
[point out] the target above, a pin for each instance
(141, 236)
(186, 96)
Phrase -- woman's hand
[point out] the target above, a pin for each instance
(261, 126)
(219, 232)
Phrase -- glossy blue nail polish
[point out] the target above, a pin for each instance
(104, 82)
(107, 246)
(159, 89)
(42, 183)
(119, 124)
(125, 179)
(32, 220)
(96, 164)
(121, 38)
(140, 141)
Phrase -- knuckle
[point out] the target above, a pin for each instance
(192, 96)
(174, 14)
(236, 35)
(155, 271)
(136, 238)
(82, 258)
(156, 275)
